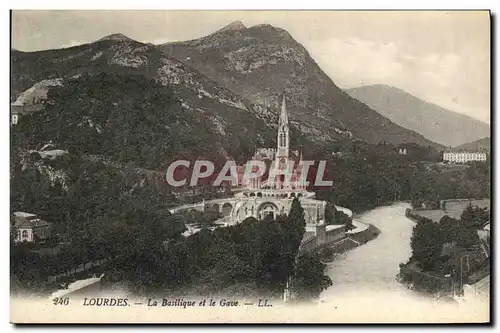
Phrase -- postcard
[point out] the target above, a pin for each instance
(250, 166)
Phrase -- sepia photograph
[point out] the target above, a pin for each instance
(259, 166)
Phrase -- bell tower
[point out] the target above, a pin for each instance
(283, 134)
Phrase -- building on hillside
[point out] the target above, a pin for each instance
(18, 111)
(52, 154)
(464, 156)
(402, 151)
(30, 227)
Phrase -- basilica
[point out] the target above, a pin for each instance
(272, 194)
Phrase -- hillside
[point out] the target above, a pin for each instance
(483, 144)
(92, 91)
(433, 122)
(262, 61)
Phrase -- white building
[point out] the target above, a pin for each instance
(463, 156)
(30, 227)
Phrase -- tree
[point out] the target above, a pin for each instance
(13, 230)
(294, 229)
(174, 226)
(474, 217)
(342, 218)
(309, 278)
(466, 238)
(296, 222)
(330, 214)
(334, 216)
(426, 243)
(449, 228)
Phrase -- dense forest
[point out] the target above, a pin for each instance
(103, 215)
(128, 118)
(90, 206)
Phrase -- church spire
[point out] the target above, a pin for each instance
(284, 113)
(283, 132)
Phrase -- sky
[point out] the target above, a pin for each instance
(441, 57)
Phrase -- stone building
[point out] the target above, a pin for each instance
(30, 227)
(261, 197)
(264, 196)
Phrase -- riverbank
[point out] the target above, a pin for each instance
(328, 253)
(451, 207)
(364, 278)
(448, 267)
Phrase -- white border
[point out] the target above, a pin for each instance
(190, 4)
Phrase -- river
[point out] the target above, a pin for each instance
(366, 276)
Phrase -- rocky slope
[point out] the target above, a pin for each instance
(435, 123)
(100, 75)
(262, 61)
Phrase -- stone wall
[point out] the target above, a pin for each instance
(324, 235)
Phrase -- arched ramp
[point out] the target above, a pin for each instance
(267, 208)
(226, 209)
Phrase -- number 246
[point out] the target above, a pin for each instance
(61, 301)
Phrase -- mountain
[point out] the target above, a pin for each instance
(483, 144)
(261, 62)
(433, 122)
(163, 107)
(118, 37)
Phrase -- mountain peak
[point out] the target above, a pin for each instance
(269, 30)
(261, 61)
(117, 37)
(233, 26)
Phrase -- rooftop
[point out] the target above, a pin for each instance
(27, 221)
(52, 153)
(25, 109)
(23, 214)
(481, 151)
